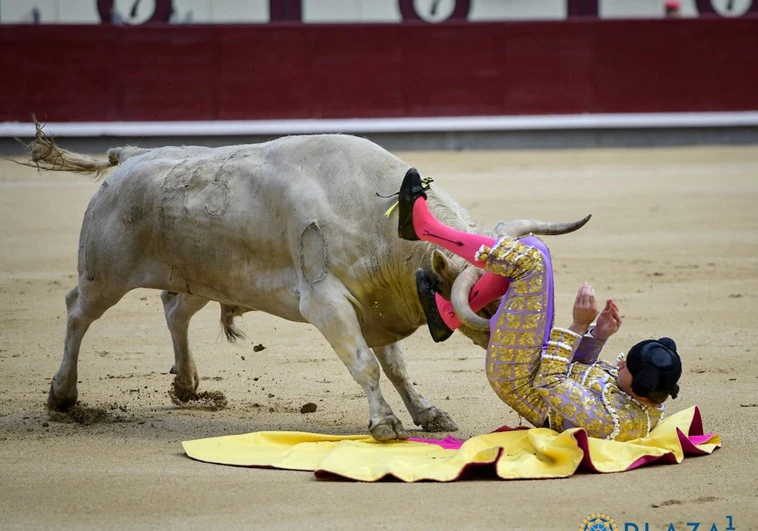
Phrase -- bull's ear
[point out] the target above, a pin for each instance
(440, 263)
(500, 230)
(444, 274)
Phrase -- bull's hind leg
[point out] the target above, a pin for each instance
(326, 307)
(85, 303)
(423, 412)
(179, 309)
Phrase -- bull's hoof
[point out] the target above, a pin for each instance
(63, 403)
(186, 382)
(435, 420)
(388, 429)
(181, 393)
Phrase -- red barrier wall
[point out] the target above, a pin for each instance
(105, 73)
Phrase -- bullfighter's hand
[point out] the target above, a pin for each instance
(608, 322)
(585, 309)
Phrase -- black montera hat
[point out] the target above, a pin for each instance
(655, 366)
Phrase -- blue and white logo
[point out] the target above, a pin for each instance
(598, 522)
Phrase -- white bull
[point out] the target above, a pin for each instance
(294, 227)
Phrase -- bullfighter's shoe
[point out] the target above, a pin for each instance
(426, 294)
(412, 188)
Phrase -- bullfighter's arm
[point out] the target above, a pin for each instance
(588, 350)
(572, 400)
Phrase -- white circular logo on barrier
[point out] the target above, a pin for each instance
(731, 8)
(434, 10)
(135, 11)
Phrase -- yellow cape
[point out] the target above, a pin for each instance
(516, 454)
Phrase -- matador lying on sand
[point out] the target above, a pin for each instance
(551, 376)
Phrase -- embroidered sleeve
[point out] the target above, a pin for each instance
(575, 402)
(560, 348)
(588, 350)
(510, 258)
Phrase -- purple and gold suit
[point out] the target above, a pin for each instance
(551, 376)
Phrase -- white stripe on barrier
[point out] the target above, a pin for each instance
(387, 125)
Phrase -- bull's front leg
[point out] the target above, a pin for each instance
(325, 307)
(423, 412)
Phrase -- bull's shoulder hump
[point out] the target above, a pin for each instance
(325, 142)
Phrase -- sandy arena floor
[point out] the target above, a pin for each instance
(674, 238)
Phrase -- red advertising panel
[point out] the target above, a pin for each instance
(108, 73)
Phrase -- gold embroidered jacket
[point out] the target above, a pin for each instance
(581, 394)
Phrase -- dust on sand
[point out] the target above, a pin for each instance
(672, 238)
(83, 414)
(210, 400)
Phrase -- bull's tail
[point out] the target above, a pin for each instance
(47, 155)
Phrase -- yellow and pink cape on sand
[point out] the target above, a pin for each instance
(506, 453)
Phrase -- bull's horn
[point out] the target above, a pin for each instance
(459, 297)
(520, 227)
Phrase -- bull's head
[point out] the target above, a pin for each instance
(455, 280)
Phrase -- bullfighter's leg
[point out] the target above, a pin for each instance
(326, 306)
(85, 304)
(416, 222)
(439, 312)
(489, 287)
(423, 412)
(179, 309)
(522, 325)
(464, 244)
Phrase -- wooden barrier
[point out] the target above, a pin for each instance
(110, 73)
